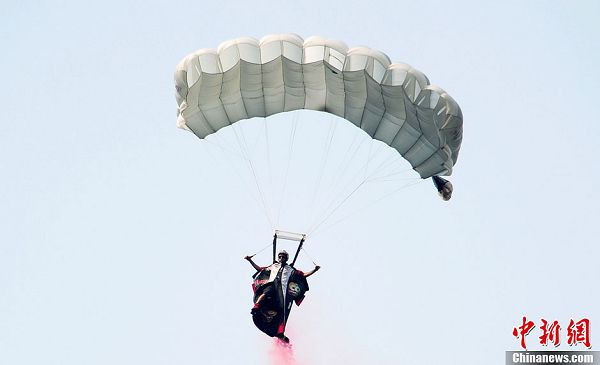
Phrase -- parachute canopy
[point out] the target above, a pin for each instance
(392, 102)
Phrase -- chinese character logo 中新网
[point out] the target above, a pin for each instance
(577, 332)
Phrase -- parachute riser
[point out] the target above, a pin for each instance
(297, 252)
(275, 247)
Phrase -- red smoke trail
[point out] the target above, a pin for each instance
(281, 353)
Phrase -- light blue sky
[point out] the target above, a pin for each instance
(114, 224)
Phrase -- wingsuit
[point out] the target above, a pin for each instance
(279, 285)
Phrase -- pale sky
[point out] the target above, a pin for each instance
(122, 237)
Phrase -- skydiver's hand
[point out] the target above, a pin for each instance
(248, 258)
(317, 268)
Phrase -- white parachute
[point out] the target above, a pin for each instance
(391, 102)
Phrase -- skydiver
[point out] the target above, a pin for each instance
(272, 284)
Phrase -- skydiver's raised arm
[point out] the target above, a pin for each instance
(254, 265)
(309, 273)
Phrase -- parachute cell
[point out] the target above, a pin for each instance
(393, 103)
